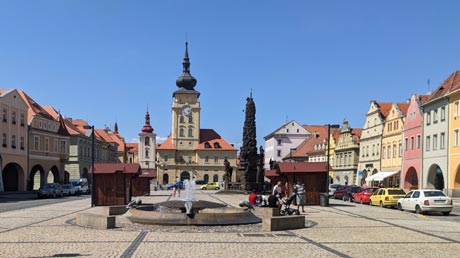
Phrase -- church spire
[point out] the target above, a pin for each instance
(115, 130)
(186, 80)
(147, 128)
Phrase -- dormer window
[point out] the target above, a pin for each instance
(207, 145)
(216, 145)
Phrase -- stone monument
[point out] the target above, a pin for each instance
(253, 175)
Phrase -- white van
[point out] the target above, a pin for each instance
(80, 184)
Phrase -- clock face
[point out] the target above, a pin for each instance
(186, 111)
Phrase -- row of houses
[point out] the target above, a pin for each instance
(39, 145)
(412, 144)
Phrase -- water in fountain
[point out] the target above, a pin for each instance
(189, 195)
(202, 213)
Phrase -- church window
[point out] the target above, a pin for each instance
(147, 141)
(190, 132)
(181, 132)
(146, 153)
(181, 119)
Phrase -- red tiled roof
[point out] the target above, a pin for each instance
(357, 131)
(34, 107)
(133, 147)
(403, 107)
(166, 145)
(302, 167)
(213, 138)
(450, 84)
(319, 136)
(112, 168)
(206, 136)
(271, 173)
(151, 173)
(385, 108)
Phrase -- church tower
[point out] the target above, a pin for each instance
(186, 110)
(147, 142)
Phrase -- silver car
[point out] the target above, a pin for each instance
(426, 200)
(50, 190)
(68, 189)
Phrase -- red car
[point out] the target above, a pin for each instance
(365, 194)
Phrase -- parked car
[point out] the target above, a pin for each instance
(212, 186)
(426, 200)
(81, 185)
(50, 190)
(350, 193)
(340, 191)
(364, 195)
(176, 185)
(68, 189)
(332, 188)
(387, 197)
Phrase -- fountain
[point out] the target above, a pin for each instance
(190, 211)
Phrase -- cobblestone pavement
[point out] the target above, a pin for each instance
(340, 230)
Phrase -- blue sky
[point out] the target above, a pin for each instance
(316, 62)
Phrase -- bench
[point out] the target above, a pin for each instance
(275, 223)
(95, 220)
(268, 211)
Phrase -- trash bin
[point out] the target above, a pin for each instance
(324, 199)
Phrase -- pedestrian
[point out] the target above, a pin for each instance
(174, 191)
(277, 190)
(300, 189)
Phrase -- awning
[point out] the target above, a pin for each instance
(381, 175)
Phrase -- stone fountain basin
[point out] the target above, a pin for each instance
(204, 216)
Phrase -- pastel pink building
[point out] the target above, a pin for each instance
(412, 144)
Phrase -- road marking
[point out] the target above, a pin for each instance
(424, 217)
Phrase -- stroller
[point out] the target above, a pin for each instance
(286, 203)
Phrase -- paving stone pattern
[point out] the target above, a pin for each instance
(335, 231)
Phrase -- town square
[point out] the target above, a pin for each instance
(232, 129)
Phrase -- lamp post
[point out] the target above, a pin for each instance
(93, 186)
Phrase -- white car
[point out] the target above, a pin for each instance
(426, 200)
(332, 188)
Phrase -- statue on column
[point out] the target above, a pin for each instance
(248, 152)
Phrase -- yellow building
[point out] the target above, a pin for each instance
(191, 152)
(453, 177)
(391, 158)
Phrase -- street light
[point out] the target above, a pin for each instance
(92, 164)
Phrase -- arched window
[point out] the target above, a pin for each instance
(147, 141)
(190, 119)
(216, 145)
(207, 145)
(181, 119)
(181, 132)
(215, 178)
(206, 178)
(190, 132)
(146, 153)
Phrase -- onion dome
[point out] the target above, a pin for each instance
(186, 80)
(147, 128)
